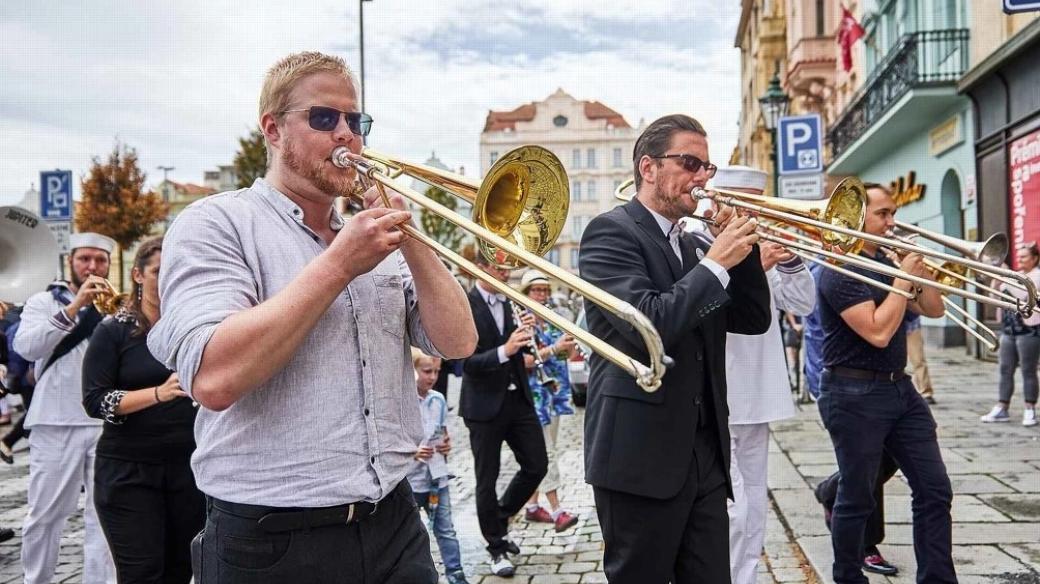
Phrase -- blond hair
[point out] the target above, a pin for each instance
(283, 76)
(418, 356)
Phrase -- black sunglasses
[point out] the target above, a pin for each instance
(324, 119)
(691, 163)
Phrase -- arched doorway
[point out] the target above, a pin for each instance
(950, 204)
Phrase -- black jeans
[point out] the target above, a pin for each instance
(874, 532)
(149, 513)
(865, 419)
(518, 426)
(389, 546)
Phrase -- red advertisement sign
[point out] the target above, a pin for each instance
(1024, 194)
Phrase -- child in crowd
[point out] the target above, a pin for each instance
(429, 476)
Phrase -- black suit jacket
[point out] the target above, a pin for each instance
(484, 379)
(638, 442)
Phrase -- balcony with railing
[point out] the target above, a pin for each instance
(918, 75)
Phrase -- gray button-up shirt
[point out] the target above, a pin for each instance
(340, 422)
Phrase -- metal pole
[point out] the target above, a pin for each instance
(361, 46)
(776, 162)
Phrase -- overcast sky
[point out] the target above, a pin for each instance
(178, 81)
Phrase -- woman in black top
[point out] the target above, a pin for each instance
(145, 493)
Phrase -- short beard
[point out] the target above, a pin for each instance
(313, 172)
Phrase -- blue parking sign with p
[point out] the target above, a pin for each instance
(56, 195)
(799, 144)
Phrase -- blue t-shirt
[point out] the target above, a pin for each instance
(842, 347)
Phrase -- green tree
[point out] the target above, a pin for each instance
(251, 159)
(115, 203)
(439, 228)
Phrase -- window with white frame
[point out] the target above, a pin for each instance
(590, 158)
(574, 258)
(576, 191)
(617, 158)
(590, 191)
(576, 158)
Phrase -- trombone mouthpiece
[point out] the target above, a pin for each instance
(339, 157)
(700, 193)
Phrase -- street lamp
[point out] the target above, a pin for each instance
(166, 185)
(361, 47)
(774, 106)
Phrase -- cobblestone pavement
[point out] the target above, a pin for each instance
(995, 471)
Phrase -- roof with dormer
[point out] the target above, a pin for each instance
(594, 110)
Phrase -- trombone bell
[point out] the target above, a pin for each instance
(524, 197)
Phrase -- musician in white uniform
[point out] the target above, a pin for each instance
(56, 325)
(759, 389)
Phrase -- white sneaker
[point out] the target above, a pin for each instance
(501, 566)
(997, 414)
(1029, 417)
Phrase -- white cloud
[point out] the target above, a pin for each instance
(179, 81)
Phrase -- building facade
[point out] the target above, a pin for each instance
(1004, 87)
(593, 142)
(762, 40)
(906, 125)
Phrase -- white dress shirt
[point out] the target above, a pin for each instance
(671, 231)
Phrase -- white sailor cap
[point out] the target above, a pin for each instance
(89, 239)
(739, 177)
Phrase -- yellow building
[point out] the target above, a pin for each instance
(762, 39)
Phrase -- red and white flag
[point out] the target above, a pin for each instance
(849, 32)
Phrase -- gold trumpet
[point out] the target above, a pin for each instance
(519, 210)
(107, 300)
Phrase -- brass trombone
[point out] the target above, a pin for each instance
(519, 210)
(776, 212)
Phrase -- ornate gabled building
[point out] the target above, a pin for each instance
(594, 143)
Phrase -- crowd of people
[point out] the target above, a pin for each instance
(269, 404)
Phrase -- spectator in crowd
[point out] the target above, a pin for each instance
(429, 476)
(551, 390)
(1019, 347)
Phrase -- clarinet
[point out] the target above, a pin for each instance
(541, 375)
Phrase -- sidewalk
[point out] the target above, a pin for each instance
(994, 468)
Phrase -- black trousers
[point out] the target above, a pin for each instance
(388, 547)
(518, 426)
(874, 532)
(681, 540)
(18, 431)
(149, 513)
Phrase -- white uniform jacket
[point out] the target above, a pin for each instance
(756, 369)
(58, 398)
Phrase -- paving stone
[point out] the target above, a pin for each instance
(556, 579)
(577, 567)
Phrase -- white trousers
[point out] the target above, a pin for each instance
(551, 482)
(61, 462)
(749, 451)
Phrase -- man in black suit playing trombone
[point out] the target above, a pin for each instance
(659, 462)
